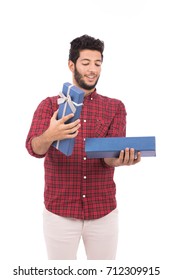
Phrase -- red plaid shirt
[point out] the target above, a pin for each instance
(76, 186)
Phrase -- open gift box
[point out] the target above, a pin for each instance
(110, 147)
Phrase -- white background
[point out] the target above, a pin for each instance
(138, 69)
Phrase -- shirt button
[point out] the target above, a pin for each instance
(91, 98)
(84, 158)
(84, 120)
(84, 139)
(84, 196)
(84, 177)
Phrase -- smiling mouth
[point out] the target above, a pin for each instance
(91, 77)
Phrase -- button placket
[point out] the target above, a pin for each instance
(84, 158)
(84, 177)
(84, 161)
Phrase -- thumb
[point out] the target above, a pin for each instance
(55, 115)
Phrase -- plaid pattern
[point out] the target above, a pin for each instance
(76, 186)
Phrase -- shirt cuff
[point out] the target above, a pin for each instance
(30, 150)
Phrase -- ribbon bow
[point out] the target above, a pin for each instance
(67, 100)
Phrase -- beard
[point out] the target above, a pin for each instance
(80, 81)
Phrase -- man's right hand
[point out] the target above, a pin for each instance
(59, 130)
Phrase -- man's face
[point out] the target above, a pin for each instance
(87, 69)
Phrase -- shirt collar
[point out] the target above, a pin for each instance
(91, 96)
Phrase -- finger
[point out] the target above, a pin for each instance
(55, 115)
(72, 124)
(121, 156)
(72, 135)
(132, 156)
(73, 129)
(126, 156)
(138, 159)
(66, 118)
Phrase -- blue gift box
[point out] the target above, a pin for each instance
(110, 147)
(70, 101)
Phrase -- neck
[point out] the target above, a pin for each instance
(87, 92)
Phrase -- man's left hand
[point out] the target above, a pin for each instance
(126, 157)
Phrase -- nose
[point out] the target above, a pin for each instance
(92, 68)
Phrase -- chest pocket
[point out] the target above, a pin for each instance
(101, 128)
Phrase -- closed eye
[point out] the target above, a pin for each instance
(97, 64)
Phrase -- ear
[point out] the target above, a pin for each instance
(71, 65)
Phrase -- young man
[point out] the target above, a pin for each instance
(79, 193)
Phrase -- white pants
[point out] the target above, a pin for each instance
(62, 236)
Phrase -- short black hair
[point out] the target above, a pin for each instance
(82, 43)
